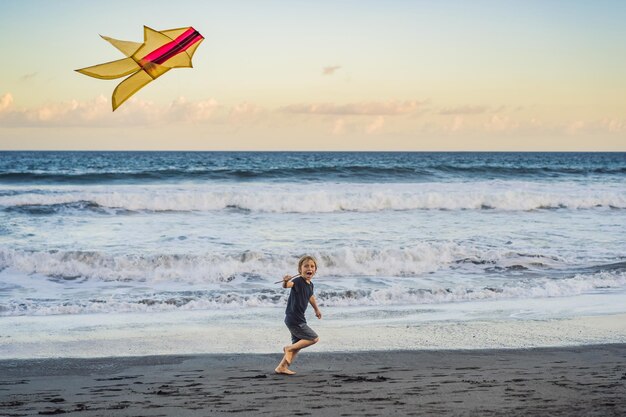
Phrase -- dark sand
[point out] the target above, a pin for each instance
(576, 381)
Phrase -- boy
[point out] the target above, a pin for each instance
(300, 297)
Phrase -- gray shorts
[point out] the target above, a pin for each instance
(301, 331)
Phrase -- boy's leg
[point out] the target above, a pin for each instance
(282, 368)
(302, 336)
(292, 350)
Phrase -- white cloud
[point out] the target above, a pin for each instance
(457, 124)
(66, 113)
(330, 70)
(369, 118)
(575, 127)
(5, 102)
(342, 126)
(245, 112)
(190, 111)
(372, 108)
(339, 127)
(473, 109)
(464, 110)
(497, 123)
(614, 125)
(375, 126)
(97, 113)
(610, 125)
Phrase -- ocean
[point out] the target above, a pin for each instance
(400, 238)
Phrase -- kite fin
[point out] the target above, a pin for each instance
(153, 39)
(192, 49)
(183, 60)
(174, 33)
(111, 70)
(128, 48)
(128, 87)
(179, 61)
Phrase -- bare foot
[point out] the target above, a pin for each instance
(284, 370)
(288, 355)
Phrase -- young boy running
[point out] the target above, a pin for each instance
(300, 297)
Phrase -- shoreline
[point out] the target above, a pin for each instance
(582, 380)
(201, 332)
(19, 366)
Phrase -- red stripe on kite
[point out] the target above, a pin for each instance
(175, 47)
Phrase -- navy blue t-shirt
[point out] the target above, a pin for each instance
(298, 301)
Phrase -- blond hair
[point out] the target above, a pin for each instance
(304, 259)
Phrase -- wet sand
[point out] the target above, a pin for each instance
(571, 381)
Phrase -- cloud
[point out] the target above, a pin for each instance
(375, 126)
(358, 118)
(5, 102)
(339, 127)
(457, 124)
(388, 108)
(498, 123)
(67, 113)
(613, 125)
(342, 126)
(245, 111)
(576, 127)
(469, 110)
(464, 110)
(605, 125)
(190, 111)
(97, 113)
(28, 77)
(330, 70)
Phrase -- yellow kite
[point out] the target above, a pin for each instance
(159, 53)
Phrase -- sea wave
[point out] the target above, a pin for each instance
(334, 170)
(303, 173)
(319, 199)
(219, 268)
(528, 171)
(524, 288)
(393, 295)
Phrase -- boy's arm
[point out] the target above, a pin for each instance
(313, 302)
(287, 283)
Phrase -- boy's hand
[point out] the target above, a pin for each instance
(287, 283)
(318, 314)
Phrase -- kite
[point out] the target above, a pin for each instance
(160, 52)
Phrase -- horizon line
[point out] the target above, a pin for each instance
(311, 151)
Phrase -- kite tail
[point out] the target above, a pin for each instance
(111, 70)
(129, 86)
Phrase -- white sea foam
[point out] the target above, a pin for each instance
(392, 296)
(326, 198)
(216, 268)
(177, 333)
(517, 289)
(50, 283)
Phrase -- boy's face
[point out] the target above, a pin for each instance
(308, 269)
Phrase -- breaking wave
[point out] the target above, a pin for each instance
(392, 295)
(319, 199)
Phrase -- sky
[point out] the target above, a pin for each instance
(321, 76)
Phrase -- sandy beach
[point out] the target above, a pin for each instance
(565, 381)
